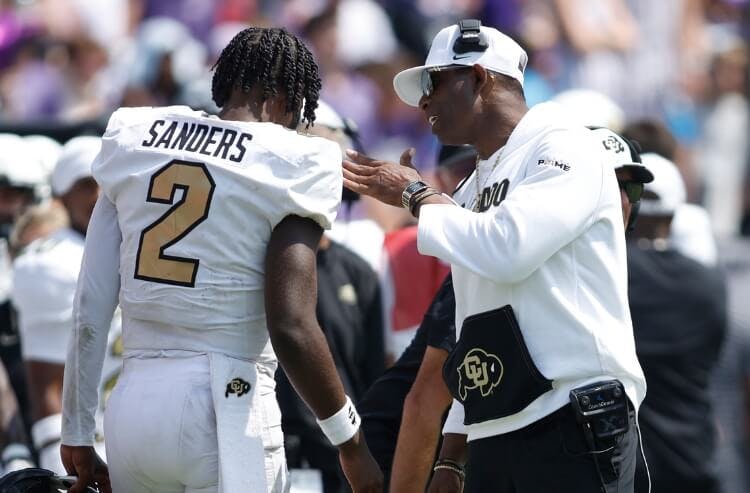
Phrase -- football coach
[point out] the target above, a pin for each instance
(544, 375)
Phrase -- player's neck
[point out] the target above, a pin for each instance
(243, 114)
(252, 107)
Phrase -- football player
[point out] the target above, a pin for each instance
(207, 231)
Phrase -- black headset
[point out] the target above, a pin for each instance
(472, 39)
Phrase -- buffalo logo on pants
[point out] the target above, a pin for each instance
(479, 370)
(237, 386)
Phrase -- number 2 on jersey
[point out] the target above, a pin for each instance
(151, 263)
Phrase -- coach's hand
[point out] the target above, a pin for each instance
(88, 466)
(444, 481)
(360, 468)
(382, 180)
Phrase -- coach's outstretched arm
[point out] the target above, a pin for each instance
(299, 343)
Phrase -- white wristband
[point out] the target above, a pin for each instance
(343, 425)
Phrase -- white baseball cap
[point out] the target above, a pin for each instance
(591, 108)
(74, 163)
(617, 154)
(47, 150)
(502, 55)
(668, 187)
(19, 165)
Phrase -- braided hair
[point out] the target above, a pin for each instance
(273, 59)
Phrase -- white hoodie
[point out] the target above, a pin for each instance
(551, 244)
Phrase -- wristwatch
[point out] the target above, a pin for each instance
(412, 189)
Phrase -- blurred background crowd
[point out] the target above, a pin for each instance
(682, 63)
(672, 73)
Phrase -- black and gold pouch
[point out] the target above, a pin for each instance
(490, 370)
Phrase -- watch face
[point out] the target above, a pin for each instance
(410, 191)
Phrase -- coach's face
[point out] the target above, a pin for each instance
(624, 176)
(449, 107)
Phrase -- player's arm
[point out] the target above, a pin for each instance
(95, 302)
(423, 411)
(299, 343)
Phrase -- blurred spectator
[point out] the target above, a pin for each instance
(596, 37)
(691, 232)
(14, 451)
(37, 222)
(678, 307)
(340, 83)
(197, 15)
(666, 66)
(166, 59)
(47, 150)
(44, 283)
(731, 382)
(21, 178)
(592, 109)
(723, 154)
(652, 136)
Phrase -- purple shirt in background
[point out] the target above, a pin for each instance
(12, 32)
(198, 16)
(503, 15)
(38, 92)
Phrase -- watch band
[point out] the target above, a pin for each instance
(418, 198)
(410, 190)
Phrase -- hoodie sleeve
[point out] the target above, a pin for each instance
(554, 203)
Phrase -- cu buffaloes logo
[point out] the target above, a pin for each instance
(479, 370)
(613, 144)
(237, 386)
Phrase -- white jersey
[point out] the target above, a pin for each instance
(541, 230)
(197, 198)
(44, 285)
(179, 236)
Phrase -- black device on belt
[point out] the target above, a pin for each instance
(602, 410)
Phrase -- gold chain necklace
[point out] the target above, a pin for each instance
(478, 200)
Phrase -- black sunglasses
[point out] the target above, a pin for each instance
(633, 189)
(428, 83)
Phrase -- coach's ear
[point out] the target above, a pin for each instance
(482, 80)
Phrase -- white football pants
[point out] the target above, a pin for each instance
(160, 429)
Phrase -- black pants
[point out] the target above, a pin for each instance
(551, 456)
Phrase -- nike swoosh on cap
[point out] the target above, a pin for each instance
(456, 57)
